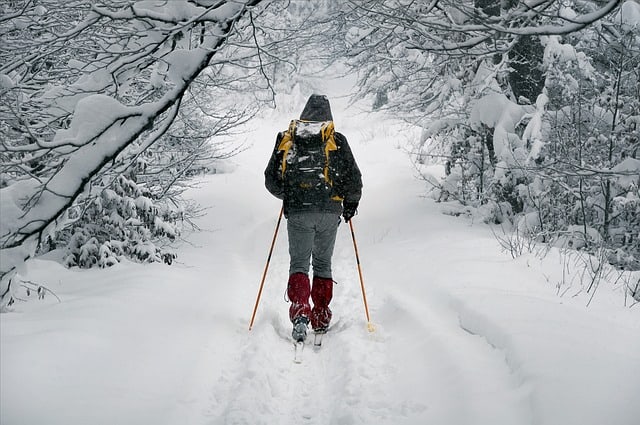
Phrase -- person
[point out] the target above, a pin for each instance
(313, 207)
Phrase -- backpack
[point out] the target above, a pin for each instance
(305, 164)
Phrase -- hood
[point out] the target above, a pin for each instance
(317, 109)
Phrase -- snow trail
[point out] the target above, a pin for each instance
(464, 335)
(415, 368)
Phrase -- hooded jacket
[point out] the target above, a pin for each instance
(343, 170)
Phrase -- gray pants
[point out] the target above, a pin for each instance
(312, 236)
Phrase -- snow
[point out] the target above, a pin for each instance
(183, 10)
(6, 82)
(555, 50)
(182, 62)
(100, 128)
(308, 128)
(630, 14)
(13, 199)
(464, 333)
(167, 11)
(630, 168)
(93, 115)
(496, 111)
(529, 223)
(94, 131)
(533, 131)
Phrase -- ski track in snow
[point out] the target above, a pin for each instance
(415, 368)
(342, 382)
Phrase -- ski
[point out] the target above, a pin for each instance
(317, 339)
(298, 347)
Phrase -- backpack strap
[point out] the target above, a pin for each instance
(286, 143)
(328, 137)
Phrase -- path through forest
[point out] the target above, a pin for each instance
(464, 334)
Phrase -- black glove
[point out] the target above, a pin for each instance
(349, 209)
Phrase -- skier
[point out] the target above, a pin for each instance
(315, 190)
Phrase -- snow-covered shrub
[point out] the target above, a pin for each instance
(590, 142)
(123, 221)
(567, 165)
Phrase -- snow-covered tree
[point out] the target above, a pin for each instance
(588, 147)
(87, 89)
(532, 106)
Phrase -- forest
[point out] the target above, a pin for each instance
(109, 108)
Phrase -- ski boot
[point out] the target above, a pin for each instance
(299, 332)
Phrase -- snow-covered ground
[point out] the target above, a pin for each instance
(464, 334)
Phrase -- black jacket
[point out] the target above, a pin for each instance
(343, 171)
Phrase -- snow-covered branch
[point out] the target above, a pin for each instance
(462, 28)
(118, 71)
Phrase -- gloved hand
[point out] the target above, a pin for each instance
(349, 209)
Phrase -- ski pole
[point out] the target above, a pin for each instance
(370, 326)
(266, 266)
